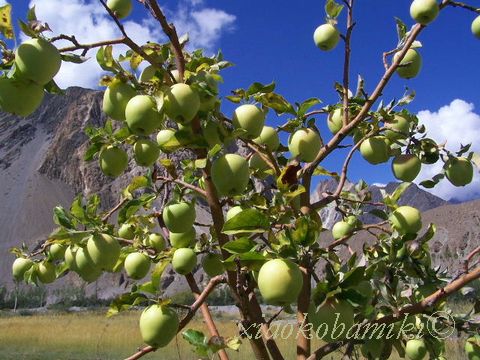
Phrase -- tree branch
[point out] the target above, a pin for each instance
(183, 183)
(464, 6)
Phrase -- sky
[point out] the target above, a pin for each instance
(272, 41)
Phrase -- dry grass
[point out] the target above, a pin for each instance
(91, 335)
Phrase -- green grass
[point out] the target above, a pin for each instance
(90, 335)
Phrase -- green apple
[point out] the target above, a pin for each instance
(280, 282)
(332, 319)
(146, 152)
(416, 349)
(459, 171)
(20, 266)
(85, 267)
(429, 153)
(142, 116)
(57, 251)
(184, 239)
(37, 60)
(104, 251)
(342, 229)
(121, 8)
(113, 161)
(472, 347)
(375, 150)
(179, 217)
(305, 144)
(207, 101)
(20, 98)
(326, 37)
(335, 120)
(184, 261)
(212, 265)
(70, 257)
(269, 138)
(257, 163)
(249, 118)
(126, 231)
(181, 103)
(399, 126)
(406, 220)
(156, 241)
(158, 325)
(137, 265)
(164, 136)
(406, 167)
(476, 27)
(424, 11)
(211, 134)
(232, 212)
(411, 64)
(230, 174)
(46, 272)
(116, 98)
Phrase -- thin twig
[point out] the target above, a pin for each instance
(183, 183)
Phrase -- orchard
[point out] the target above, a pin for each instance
(264, 246)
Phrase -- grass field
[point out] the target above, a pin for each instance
(92, 336)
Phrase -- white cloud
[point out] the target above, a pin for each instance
(88, 21)
(455, 124)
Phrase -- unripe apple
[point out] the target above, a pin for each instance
(19, 267)
(37, 60)
(158, 325)
(142, 116)
(20, 98)
(406, 167)
(269, 138)
(305, 144)
(211, 134)
(326, 37)
(46, 272)
(375, 150)
(184, 239)
(230, 174)
(146, 152)
(113, 161)
(121, 8)
(399, 126)
(476, 27)
(184, 261)
(429, 153)
(104, 251)
(411, 64)
(472, 347)
(280, 282)
(181, 103)
(57, 251)
(70, 257)
(85, 267)
(179, 217)
(257, 163)
(406, 220)
(335, 120)
(156, 241)
(126, 231)
(164, 136)
(330, 314)
(207, 101)
(232, 212)
(212, 265)
(424, 11)
(459, 171)
(342, 229)
(249, 118)
(116, 98)
(137, 265)
(416, 349)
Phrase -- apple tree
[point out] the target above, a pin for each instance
(264, 246)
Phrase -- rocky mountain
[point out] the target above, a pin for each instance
(41, 166)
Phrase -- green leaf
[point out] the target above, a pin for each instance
(379, 213)
(306, 105)
(77, 209)
(333, 9)
(306, 231)
(125, 302)
(400, 190)
(74, 58)
(239, 246)
(247, 221)
(194, 337)
(92, 150)
(6, 27)
(31, 16)
(353, 277)
(260, 88)
(62, 218)
(401, 30)
(138, 182)
(52, 88)
(407, 98)
(158, 272)
(429, 234)
(25, 29)
(233, 343)
(276, 102)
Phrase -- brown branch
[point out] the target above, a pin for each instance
(85, 47)
(304, 340)
(466, 263)
(464, 6)
(346, 64)
(265, 154)
(183, 183)
(114, 209)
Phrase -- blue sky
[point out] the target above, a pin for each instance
(272, 41)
